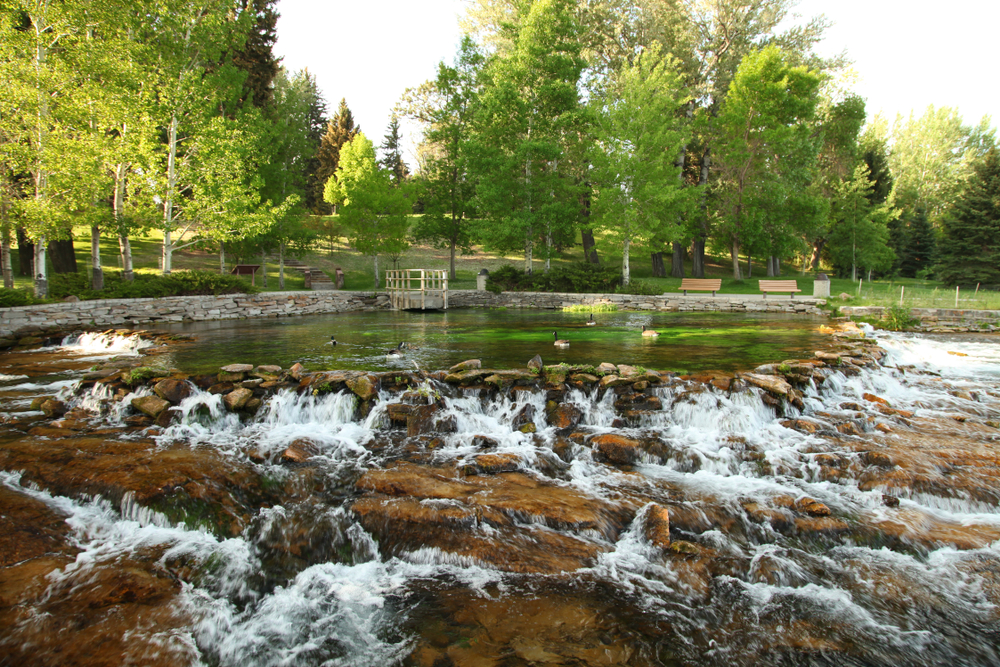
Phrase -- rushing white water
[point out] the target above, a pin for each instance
(343, 600)
(104, 344)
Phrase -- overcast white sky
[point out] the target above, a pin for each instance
(907, 53)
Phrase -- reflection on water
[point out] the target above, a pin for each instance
(501, 338)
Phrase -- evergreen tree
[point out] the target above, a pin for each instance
(313, 198)
(970, 247)
(339, 131)
(920, 245)
(392, 155)
(256, 56)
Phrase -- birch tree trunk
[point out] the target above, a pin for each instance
(8, 273)
(96, 273)
(124, 245)
(41, 174)
(376, 271)
(41, 279)
(626, 276)
(168, 202)
(222, 258)
(281, 265)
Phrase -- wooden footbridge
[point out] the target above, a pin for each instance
(417, 289)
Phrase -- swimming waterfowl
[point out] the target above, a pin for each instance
(396, 351)
(648, 332)
(559, 341)
(333, 340)
(591, 322)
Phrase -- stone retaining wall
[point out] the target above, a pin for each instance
(928, 315)
(105, 313)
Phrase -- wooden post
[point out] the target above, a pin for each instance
(902, 288)
(956, 296)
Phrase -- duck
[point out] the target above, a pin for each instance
(648, 332)
(396, 351)
(333, 340)
(591, 322)
(560, 342)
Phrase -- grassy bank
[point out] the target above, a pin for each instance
(332, 252)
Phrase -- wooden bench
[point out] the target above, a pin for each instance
(712, 285)
(789, 286)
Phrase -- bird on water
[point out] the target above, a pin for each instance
(591, 322)
(396, 351)
(649, 333)
(333, 340)
(560, 342)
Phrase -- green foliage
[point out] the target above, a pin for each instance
(591, 308)
(970, 244)
(897, 318)
(580, 277)
(16, 297)
(143, 374)
(179, 283)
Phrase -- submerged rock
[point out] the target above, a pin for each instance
(150, 406)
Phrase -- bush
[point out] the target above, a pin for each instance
(579, 277)
(182, 283)
(640, 287)
(897, 318)
(16, 297)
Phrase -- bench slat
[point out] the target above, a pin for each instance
(701, 285)
(790, 286)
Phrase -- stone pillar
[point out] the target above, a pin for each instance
(821, 287)
(481, 280)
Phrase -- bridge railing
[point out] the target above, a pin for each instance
(417, 288)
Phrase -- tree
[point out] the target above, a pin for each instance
(920, 247)
(375, 213)
(447, 107)
(970, 243)
(528, 121)
(859, 239)
(339, 131)
(638, 133)
(392, 153)
(256, 55)
(317, 126)
(764, 147)
(932, 158)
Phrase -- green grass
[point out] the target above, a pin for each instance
(330, 254)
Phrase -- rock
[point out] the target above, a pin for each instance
(468, 365)
(566, 415)
(614, 381)
(812, 507)
(536, 363)
(168, 417)
(625, 370)
(616, 448)
(253, 405)
(172, 390)
(884, 428)
(492, 464)
(237, 398)
(524, 416)
(828, 357)
(774, 384)
(150, 406)
(879, 459)
(252, 384)
(398, 412)
(421, 420)
(72, 298)
(872, 398)
(821, 525)
(585, 378)
(605, 368)
(364, 386)
(844, 296)
(237, 368)
(53, 408)
(657, 526)
(269, 369)
(890, 501)
(299, 451)
(849, 428)
(296, 371)
(529, 427)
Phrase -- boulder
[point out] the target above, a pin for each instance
(172, 390)
(398, 412)
(524, 416)
(296, 371)
(53, 408)
(536, 363)
(269, 369)
(237, 398)
(237, 368)
(616, 448)
(657, 526)
(421, 420)
(299, 451)
(492, 464)
(773, 384)
(566, 415)
(812, 507)
(872, 398)
(468, 365)
(150, 406)
(614, 381)
(364, 386)
(828, 357)
(626, 371)
(606, 368)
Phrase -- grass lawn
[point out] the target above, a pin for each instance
(331, 252)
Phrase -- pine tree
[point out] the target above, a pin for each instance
(920, 245)
(256, 56)
(970, 247)
(313, 198)
(339, 131)
(392, 155)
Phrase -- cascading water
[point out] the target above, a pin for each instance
(861, 527)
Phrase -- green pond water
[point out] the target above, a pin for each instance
(501, 338)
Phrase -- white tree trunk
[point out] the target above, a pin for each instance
(97, 274)
(8, 273)
(41, 175)
(124, 245)
(281, 265)
(376, 271)
(222, 258)
(41, 275)
(626, 275)
(168, 201)
(263, 269)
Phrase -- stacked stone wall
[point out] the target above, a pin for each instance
(105, 313)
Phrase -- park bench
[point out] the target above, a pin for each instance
(712, 285)
(789, 286)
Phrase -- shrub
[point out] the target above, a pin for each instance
(897, 318)
(16, 297)
(579, 277)
(640, 287)
(182, 283)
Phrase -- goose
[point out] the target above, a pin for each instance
(648, 332)
(396, 351)
(591, 322)
(559, 341)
